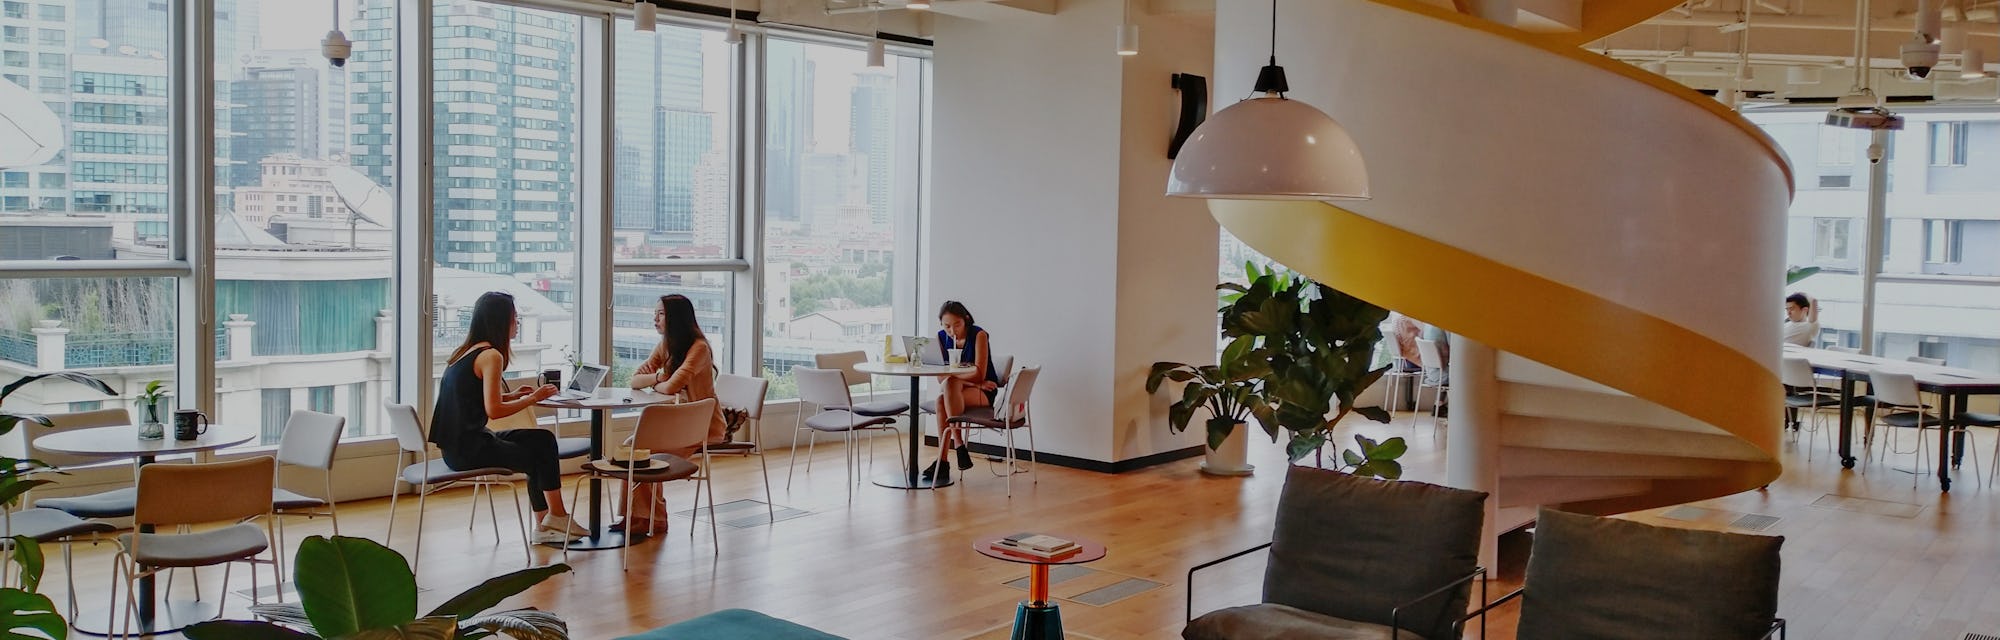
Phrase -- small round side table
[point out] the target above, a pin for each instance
(1037, 617)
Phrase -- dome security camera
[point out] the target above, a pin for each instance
(1919, 56)
(336, 48)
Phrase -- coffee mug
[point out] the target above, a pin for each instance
(552, 377)
(189, 424)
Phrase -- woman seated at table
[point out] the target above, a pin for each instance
(681, 364)
(470, 395)
(973, 388)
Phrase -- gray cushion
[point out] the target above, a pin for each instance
(1977, 419)
(117, 503)
(732, 624)
(1279, 622)
(1357, 548)
(283, 499)
(567, 448)
(198, 549)
(1910, 419)
(875, 409)
(1807, 400)
(842, 421)
(1594, 577)
(45, 525)
(983, 416)
(929, 406)
(440, 472)
(676, 469)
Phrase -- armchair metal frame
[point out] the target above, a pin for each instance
(1395, 614)
(1777, 624)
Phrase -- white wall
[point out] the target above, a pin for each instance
(1047, 219)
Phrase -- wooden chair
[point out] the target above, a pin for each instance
(175, 495)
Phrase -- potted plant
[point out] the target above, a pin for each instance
(353, 588)
(1315, 345)
(1227, 390)
(152, 408)
(28, 613)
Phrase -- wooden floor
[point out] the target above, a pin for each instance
(1904, 562)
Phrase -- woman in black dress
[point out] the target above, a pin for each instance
(471, 394)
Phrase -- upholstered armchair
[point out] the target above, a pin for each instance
(1593, 577)
(1358, 558)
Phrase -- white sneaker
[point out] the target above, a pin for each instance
(553, 537)
(563, 525)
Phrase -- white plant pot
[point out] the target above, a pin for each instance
(1231, 458)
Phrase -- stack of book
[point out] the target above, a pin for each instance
(1036, 545)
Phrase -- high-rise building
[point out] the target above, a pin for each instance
(788, 99)
(661, 133)
(872, 136)
(371, 91)
(505, 157)
(333, 102)
(277, 109)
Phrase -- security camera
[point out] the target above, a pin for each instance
(336, 48)
(1919, 56)
(1876, 153)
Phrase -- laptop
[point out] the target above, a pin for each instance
(932, 355)
(584, 383)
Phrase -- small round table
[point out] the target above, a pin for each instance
(599, 406)
(914, 371)
(1037, 617)
(123, 442)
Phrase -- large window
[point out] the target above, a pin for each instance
(840, 180)
(121, 329)
(670, 154)
(505, 198)
(1948, 144)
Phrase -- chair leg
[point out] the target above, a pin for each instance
(575, 495)
(1010, 463)
(794, 459)
(493, 514)
(472, 517)
(417, 553)
(714, 537)
(770, 510)
(395, 487)
(69, 575)
(527, 544)
(332, 508)
(277, 556)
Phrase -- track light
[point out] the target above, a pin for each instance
(645, 16)
(1128, 39)
(877, 54)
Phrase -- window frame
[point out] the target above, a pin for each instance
(1948, 150)
(1943, 240)
(1838, 226)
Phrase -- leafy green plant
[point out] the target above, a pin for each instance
(1315, 347)
(153, 400)
(1229, 390)
(26, 614)
(357, 589)
(1794, 274)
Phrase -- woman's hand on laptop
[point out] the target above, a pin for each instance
(544, 392)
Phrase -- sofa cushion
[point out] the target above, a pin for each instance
(1592, 577)
(732, 624)
(1278, 622)
(1356, 548)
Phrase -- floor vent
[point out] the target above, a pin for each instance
(1690, 514)
(745, 514)
(1754, 522)
(1980, 636)
(1869, 506)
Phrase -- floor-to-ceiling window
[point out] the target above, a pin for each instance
(1938, 294)
(840, 184)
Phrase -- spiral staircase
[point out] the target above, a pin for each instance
(1613, 235)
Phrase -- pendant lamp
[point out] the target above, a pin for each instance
(1270, 147)
(645, 16)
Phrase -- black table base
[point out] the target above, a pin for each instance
(167, 617)
(911, 479)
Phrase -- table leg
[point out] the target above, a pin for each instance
(599, 539)
(1958, 430)
(1846, 420)
(1947, 415)
(1037, 618)
(910, 479)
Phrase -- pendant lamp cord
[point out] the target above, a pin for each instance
(1274, 32)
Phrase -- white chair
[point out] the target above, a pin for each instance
(427, 478)
(662, 428)
(1433, 360)
(1392, 393)
(116, 503)
(824, 388)
(746, 394)
(1002, 365)
(50, 525)
(1012, 409)
(845, 363)
(1901, 406)
(309, 441)
(185, 495)
(530, 418)
(1802, 394)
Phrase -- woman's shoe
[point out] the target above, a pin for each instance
(563, 525)
(930, 472)
(964, 458)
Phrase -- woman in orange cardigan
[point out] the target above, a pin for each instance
(683, 364)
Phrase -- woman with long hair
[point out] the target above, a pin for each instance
(972, 388)
(471, 394)
(682, 364)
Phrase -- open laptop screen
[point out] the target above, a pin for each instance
(587, 378)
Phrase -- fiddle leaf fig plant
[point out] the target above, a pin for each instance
(1229, 390)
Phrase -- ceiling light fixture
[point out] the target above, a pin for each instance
(1270, 147)
(732, 35)
(645, 16)
(1128, 33)
(918, 5)
(877, 53)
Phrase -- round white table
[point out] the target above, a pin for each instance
(915, 372)
(607, 401)
(123, 442)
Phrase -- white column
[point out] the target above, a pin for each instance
(385, 330)
(51, 341)
(1472, 451)
(241, 339)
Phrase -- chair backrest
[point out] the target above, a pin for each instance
(1591, 577)
(61, 422)
(1796, 372)
(823, 387)
(843, 362)
(310, 438)
(1427, 350)
(1003, 365)
(1398, 541)
(1924, 360)
(172, 494)
(674, 428)
(1018, 393)
(1890, 387)
(409, 429)
(1843, 349)
(742, 393)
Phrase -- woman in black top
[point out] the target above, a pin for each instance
(471, 394)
